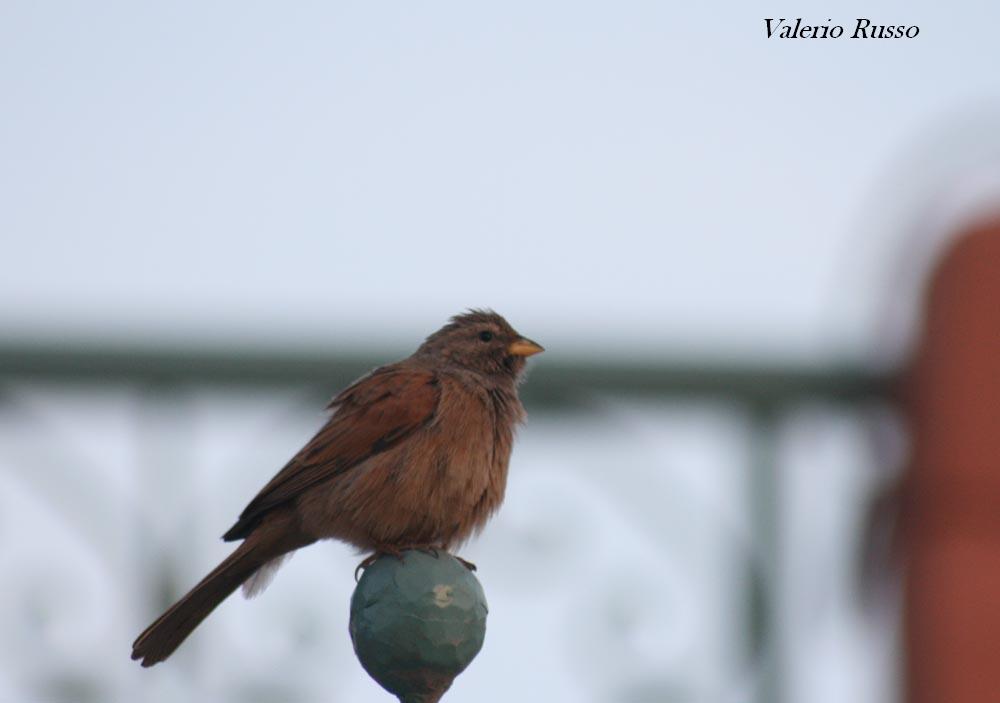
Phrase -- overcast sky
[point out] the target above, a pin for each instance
(636, 177)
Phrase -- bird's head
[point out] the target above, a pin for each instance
(481, 341)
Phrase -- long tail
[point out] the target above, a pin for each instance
(160, 639)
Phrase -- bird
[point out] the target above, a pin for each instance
(413, 455)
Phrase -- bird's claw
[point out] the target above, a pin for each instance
(365, 563)
(467, 564)
(397, 552)
(375, 556)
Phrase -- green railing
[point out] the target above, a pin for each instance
(555, 382)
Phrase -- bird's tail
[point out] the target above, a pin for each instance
(160, 639)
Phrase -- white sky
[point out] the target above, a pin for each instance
(637, 177)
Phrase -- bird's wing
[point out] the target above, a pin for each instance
(370, 416)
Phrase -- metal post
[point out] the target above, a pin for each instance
(765, 582)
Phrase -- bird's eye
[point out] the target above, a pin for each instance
(485, 335)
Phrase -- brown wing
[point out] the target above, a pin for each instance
(370, 416)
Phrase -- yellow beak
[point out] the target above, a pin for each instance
(524, 347)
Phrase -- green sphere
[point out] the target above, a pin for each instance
(417, 622)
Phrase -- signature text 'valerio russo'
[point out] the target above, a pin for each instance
(863, 28)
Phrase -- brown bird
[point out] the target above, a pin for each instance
(414, 455)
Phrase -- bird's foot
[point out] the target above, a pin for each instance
(396, 550)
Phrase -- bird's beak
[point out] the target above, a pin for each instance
(524, 347)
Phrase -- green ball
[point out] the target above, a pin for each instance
(417, 622)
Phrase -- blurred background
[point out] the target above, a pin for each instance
(215, 215)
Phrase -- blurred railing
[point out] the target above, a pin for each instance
(555, 383)
(765, 394)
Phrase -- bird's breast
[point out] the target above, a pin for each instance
(437, 487)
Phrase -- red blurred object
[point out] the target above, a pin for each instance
(952, 492)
